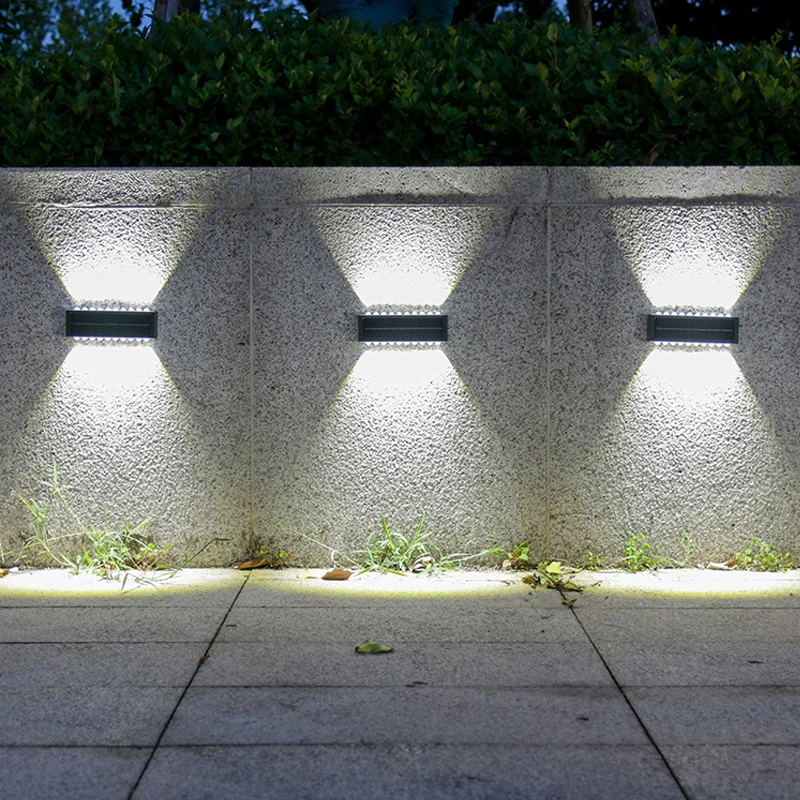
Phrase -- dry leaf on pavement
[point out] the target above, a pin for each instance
(265, 561)
(337, 574)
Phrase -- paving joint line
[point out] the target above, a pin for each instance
(621, 690)
(186, 688)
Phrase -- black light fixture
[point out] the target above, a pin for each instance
(111, 324)
(402, 328)
(692, 328)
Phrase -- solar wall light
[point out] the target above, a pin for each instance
(402, 328)
(115, 323)
(693, 328)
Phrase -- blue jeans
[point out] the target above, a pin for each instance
(379, 12)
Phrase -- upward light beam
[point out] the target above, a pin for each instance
(696, 258)
(403, 256)
(114, 256)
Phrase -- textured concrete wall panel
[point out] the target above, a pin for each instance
(207, 302)
(112, 256)
(136, 432)
(303, 351)
(662, 440)
(394, 431)
(257, 416)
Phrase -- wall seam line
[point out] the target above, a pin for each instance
(252, 515)
(548, 366)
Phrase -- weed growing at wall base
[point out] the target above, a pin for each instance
(639, 554)
(390, 551)
(393, 552)
(594, 561)
(518, 557)
(763, 557)
(108, 553)
(266, 559)
(690, 549)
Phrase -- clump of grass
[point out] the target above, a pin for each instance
(763, 557)
(390, 551)
(109, 553)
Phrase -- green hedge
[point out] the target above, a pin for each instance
(300, 93)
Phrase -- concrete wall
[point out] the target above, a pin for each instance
(547, 416)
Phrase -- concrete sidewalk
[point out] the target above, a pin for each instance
(220, 684)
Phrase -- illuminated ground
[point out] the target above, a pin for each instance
(675, 684)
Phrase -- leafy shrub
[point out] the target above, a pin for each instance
(295, 92)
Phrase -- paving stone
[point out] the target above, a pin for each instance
(710, 772)
(85, 717)
(411, 772)
(99, 624)
(402, 622)
(494, 695)
(735, 715)
(732, 663)
(70, 773)
(299, 664)
(60, 587)
(597, 598)
(95, 665)
(421, 715)
(340, 594)
(690, 588)
(691, 625)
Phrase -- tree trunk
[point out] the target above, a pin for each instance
(167, 9)
(580, 13)
(643, 16)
